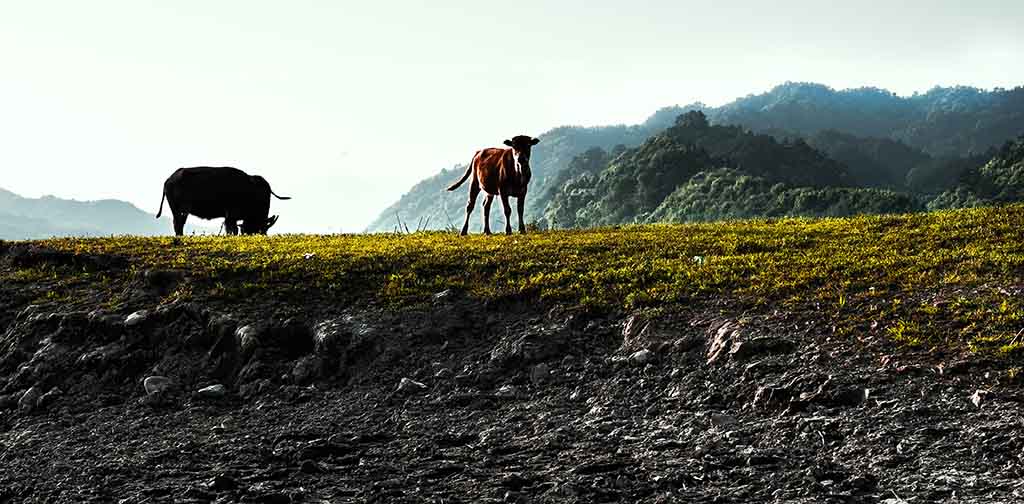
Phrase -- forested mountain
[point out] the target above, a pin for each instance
(1001, 180)
(874, 139)
(954, 121)
(28, 218)
(695, 171)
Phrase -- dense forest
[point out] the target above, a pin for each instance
(799, 149)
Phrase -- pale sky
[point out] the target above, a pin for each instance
(344, 105)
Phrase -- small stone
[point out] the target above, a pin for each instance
(507, 391)
(49, 397)
(221, 483)
(136, 318)
(309, 467)
(443, 373)
(979, 397)
(306, 369)
(156, 384)
(407, 386)
(540, 374)
(642, 357)
(30, 399)
(213, 391)
(576, 395)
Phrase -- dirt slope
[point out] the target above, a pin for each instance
(502, 401)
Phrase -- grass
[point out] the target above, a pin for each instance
(853, 270)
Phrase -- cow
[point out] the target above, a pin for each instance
(210, 192)
(499, 172)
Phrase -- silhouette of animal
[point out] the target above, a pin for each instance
(212, 192)
(499, 172)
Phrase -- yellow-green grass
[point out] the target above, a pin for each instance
(928, 278)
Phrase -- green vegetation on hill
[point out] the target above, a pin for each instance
(1001, 180)
(931, 279)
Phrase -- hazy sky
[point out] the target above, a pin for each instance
(345, 104)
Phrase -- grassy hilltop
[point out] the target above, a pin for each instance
(944, 279)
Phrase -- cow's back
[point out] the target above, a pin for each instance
(207, 191)
(490, 168)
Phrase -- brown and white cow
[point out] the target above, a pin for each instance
(502, 173)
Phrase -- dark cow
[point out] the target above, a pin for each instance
(503, 173)
(212, 192)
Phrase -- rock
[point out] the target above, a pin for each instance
(447, 296)
(136, 318)
(769, 396)
(49, 397)
(248, 339)
(765, 345)
(29, 400)
(443, 373)
(212, 392)
(507, 391)
(536, 345)
(222, 483)
(641, 357)
(722, 340)
(156, 384)
(540, 374)
(306, 369)
(407, 386)
(979, 397)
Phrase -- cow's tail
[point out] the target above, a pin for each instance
(279, 197)
(469, 170)
(161, 210)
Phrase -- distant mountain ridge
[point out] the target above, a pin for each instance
(912, 140)
(32, 218)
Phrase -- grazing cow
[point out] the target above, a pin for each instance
(499, 172)
(212, 192)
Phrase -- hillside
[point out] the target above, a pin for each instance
(29, 218)
(752, 361)
(685, 172)
(1001, 180)
(919, 143)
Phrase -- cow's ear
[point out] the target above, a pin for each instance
(508, 143)
(535, 141)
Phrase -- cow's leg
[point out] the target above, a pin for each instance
(179, 223)
(488, 199)
(230, 226)
(474, 190)
(508, 213)
(520, 203)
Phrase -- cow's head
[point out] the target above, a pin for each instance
(258, 226)
(521, 145)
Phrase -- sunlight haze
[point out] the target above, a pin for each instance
(345, 105)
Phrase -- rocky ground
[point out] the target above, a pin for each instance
(462, 400)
